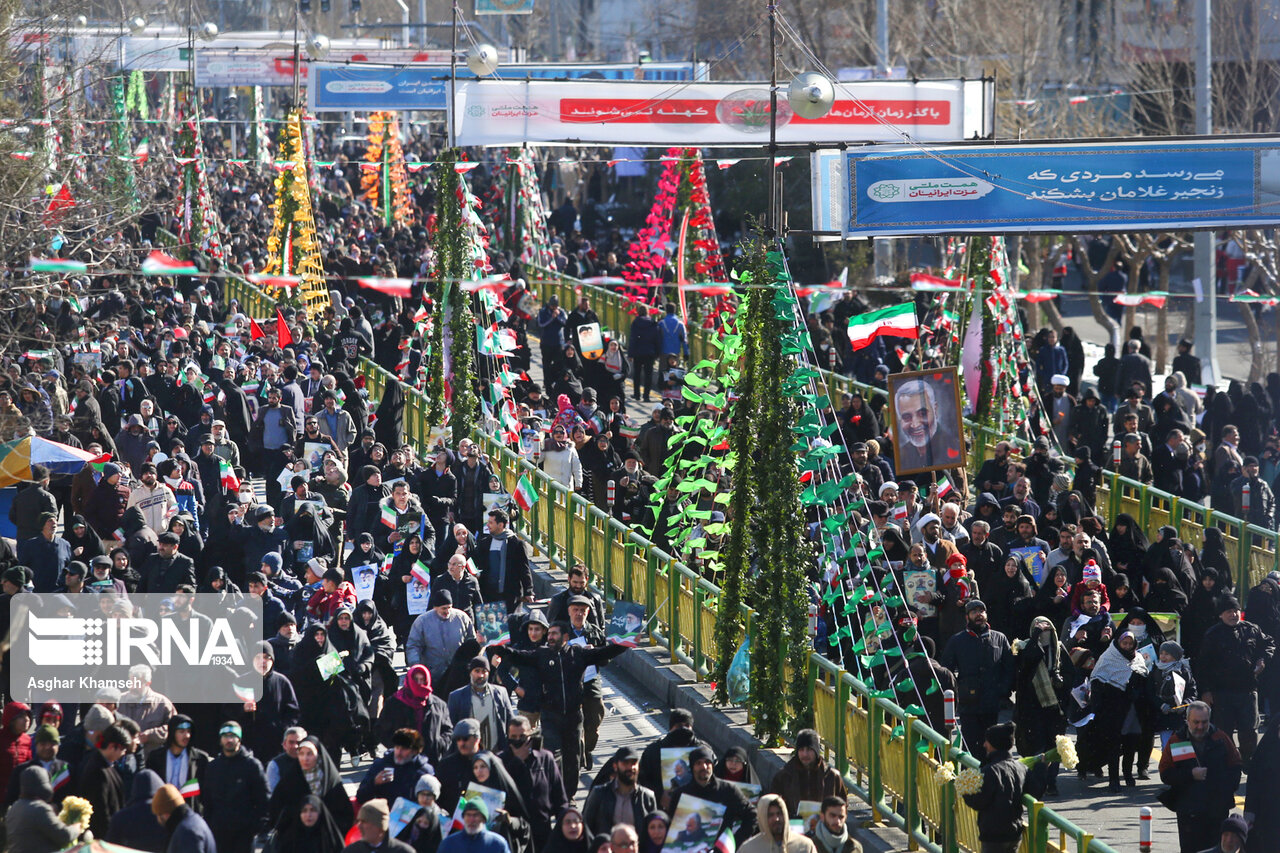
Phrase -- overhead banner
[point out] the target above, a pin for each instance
(714, 114)
(504, 7)
(274, 67)
(355, 87)
(1137, 186)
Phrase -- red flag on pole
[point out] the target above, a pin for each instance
(255, 331)
(283, 336)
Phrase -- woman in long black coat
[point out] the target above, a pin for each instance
(1043, 676)
(293, 786)
(330, 708)
(389, 426)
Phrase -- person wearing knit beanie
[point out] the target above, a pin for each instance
(187, 830)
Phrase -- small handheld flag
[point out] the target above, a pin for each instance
(526, 496)
(191, 789)
(389, 515)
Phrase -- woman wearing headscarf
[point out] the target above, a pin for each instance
(570, 835)
(392, 593)
(1127, 545)
(1043, 677)
(85, 544)
(1009, 595)
(306, 527)
(1168, 552)
(1053, 598)
(568, 381)
(228, 595)
(312, 773)
(653, 832)
(349, 638)
(1214, 556)
(734, 766)
(389, 426)
(512, 820)
(600, 464)
(308, 829)
(416, 706)
(611, 378)
(331, 708)
(190, 541)
(383, 643)
(1116, 695)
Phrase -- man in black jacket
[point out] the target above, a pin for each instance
(679, 736)
(558, 607)
(180, 762)
(234, 793)
(165, 571)
(537, 776)
(560, 668)
(601, 812)
(999, 801)
(983, 663)
(364, 506)
(502, 559)
(707, 787)
(1234, 653)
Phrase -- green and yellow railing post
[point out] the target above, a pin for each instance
(875, 787)
(699, 659)
(910, 796)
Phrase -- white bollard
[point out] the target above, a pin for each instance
(1144, 829)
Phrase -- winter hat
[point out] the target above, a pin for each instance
(429, 783)
(1092, 572)
(475, 804)
(1228, 602)
(701, 753)
(957, 558)
(376, 811)
(1235, 823)
(441, 597)
(272, 559)
(1000, 736)
(1171, 649)
(808, 739)
(166, 800)
(974, 604)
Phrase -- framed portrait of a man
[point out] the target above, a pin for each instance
(928, 434)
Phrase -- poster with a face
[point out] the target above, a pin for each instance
(419, 597)
(626, 623)
(676, 769)
(925, 413)
(491, 620)
(919, 584)
(364, 578)
(694, 826)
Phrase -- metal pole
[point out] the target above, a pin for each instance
(297, 58)
(453, 73)
(1206, 342)
(771, 222)
(882, 37)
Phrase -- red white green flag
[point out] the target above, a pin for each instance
(526, 496)
(228, 474)
(191, 789)
(897, 321)
(389, 515)
(158, 263)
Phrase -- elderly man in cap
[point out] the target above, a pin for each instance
(999, 801)
(1133, 463)
(454, 768)
(188, 831)
(623, 800)
(437, 634)
(487, 703)
(234, 793)
(474, 838)
(45, 743)
(982, 661)
(1234, 835)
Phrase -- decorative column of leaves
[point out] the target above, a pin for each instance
(292, 248)
(197, 216)
(259, 149)
(120, 168)
(781, 640)
(454, 263)
(742, 446)
(382, 176)
(136, 98)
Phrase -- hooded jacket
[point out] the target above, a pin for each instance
(134, 825)
(14, 749)
(764, 842)
(31, 823)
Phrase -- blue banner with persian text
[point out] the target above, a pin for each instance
(1145, 186)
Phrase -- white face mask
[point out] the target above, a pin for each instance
(1139, 631)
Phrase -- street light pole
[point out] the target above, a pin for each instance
(771, 221)
(1206, 310)
(453, 74)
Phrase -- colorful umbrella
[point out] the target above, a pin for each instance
(17, 457)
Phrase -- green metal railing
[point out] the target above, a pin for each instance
(1255, 549)
(889, 758)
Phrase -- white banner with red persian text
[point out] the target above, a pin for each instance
(507, 112)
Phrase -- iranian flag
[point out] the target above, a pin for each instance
(158, 263)
(421, 573)
(228, 474)
(944, 487)
(61, 778)
(897, 321)
(58, 265)
(389, 286)
(1155, 298)
(289, 281)
(389, 515)
(1182, 751)
(526, 496)
(191, 789)
(932, 283)
(900, 512)
(726, 843)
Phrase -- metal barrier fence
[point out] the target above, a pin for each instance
(889, 758)
(1255, 549)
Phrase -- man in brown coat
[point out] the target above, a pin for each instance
(807, 776)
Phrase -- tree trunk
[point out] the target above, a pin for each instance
(1091, 277)
(1162, 321)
